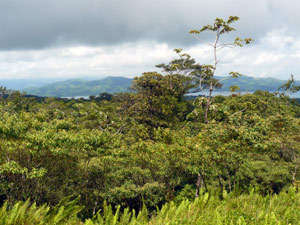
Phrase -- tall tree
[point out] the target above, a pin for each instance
(219, 28)
(158, 99)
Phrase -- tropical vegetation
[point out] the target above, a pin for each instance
(151, 156)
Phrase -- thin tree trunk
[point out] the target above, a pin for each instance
(295, 172)
(294, 176)
(220, 183)
(211, 88)
(94, 208)
(229, 183)
(208, 103)
(199, 183)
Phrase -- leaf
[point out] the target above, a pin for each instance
(194, 32)
(248, 40)
(178, 50)
(232, 19)
(234, 88)
(235, 74)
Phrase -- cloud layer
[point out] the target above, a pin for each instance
(100, 37)
(40, 24)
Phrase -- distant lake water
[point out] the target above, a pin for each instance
(76, 97)
(227, 93)
(215, 93)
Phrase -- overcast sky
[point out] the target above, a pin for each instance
(96, 38)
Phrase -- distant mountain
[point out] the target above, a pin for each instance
(252, 84)
(18, 84)
(80, 87)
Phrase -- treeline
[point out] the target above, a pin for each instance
(135, 150)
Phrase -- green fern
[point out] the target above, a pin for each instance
(207, 209)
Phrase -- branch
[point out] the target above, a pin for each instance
(7, 158)
(217, 38)
(183, 66)
(200, 84)
(228, 45)
(215, 50)
(237, 112)
(204, 42)
(188, 73)
(119, 130)
(295, 171)
(219, 81)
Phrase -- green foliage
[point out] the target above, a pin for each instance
(25, 213)
(158, 100)
(151, 156)
(184, 65)
(234, 88)
(290, 85)
(208, 208)
(219, 28)
(99, 151)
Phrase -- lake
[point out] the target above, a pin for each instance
(227, 93)
(215, 93)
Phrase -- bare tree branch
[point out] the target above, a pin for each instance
(204, 42)
(219, 81)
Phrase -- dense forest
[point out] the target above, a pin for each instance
(152, 156)
(148, 148)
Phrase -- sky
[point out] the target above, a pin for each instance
(99, 38)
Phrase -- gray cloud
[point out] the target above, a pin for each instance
(67, 38)
(34, 24)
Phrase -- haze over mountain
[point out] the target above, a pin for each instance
(18, 84)
(81, 87)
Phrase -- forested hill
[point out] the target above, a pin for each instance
(252, 84)
(80, 87)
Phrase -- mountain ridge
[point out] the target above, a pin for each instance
(81, 87)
